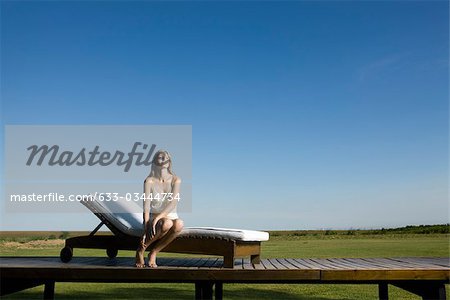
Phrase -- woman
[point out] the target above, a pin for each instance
(161, 222)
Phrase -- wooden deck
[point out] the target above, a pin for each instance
(423, 276)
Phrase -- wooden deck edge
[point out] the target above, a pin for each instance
(380, 275)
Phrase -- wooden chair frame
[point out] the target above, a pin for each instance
(228, 248)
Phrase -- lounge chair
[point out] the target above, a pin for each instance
(126, 227)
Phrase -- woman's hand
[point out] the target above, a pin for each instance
(143, 240)
(145, 234)
(154, 222)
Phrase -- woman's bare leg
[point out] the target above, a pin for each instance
(162, 227)
(164, 241)
(166, 225)
(140, 263)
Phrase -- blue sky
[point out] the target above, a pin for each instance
(304, 114)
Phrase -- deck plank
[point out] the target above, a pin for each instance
(287, 264)
(324, 263)
(267, 265)
(202, 263)
(358, 265)
(298, 264)
(343, 264)
(238, 264)
(395, 264)
(432, 261)
(368, 265)
(247, 264)
(276, 264)
(192, 263)
(309, 263)
(212, 263)
(171, 262)
(389, 264)
(413, 264)
(218, 264)
(337, 264)
(259, 266)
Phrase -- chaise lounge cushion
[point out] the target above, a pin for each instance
(122, 214)
(226, 233)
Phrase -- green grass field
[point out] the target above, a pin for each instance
(300, 246)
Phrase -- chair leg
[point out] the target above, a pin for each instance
(228, 261)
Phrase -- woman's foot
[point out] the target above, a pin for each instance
(140, 263)
(152, 259)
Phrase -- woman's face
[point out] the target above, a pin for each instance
(162, 160)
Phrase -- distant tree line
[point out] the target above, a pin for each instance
(410, 229)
